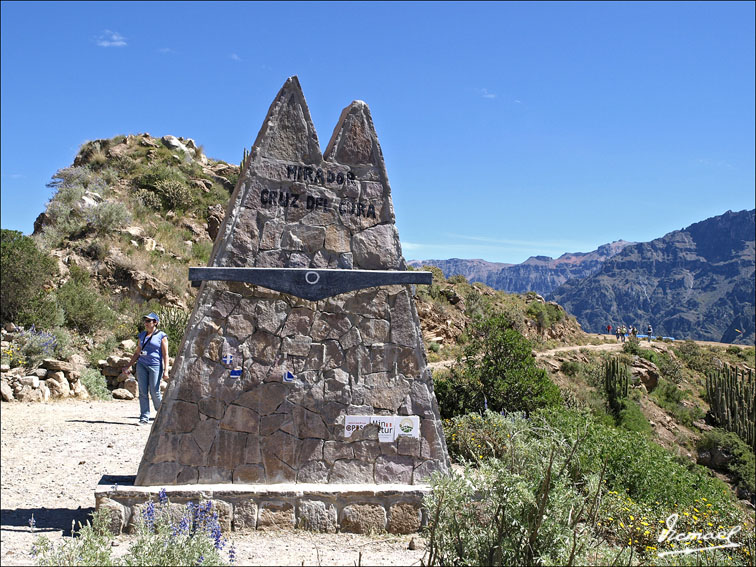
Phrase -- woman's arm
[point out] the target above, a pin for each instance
(164, 347)
(134, 358)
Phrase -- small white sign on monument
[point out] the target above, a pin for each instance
(391, 426)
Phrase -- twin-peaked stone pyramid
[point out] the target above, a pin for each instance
(269, 387)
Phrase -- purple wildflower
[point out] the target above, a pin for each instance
(231, 554)
(162, 496)
(148, 514)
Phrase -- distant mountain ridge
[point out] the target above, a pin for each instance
(541, 274)
(697, 283)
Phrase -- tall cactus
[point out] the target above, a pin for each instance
(731, 392)
(616, 383)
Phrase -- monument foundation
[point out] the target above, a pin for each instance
(301, 395)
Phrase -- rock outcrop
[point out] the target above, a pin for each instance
(695, 283)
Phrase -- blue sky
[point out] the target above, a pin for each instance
(509, 129)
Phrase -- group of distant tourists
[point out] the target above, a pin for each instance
(623, 331)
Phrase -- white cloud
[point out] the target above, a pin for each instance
(235, 57)
(111, 39)
(485, 94)
(166, 50)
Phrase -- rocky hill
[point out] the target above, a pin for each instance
(540, 274)
(697, 283)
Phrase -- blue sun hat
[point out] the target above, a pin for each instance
(152, 316)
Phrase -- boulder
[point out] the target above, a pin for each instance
(7, 392)
(31, 381)
(132, 386)
(122, 394)
(58, 388)
(647, 372)
(29, 394)
(52, 364)
(78, 390)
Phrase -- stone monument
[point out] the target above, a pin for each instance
(303, 363)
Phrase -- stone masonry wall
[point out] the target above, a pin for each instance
(359, 353)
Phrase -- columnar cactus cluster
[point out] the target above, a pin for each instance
(616, 382)
(731, 393)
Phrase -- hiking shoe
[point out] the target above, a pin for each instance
(143, 422)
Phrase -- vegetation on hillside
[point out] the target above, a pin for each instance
(575, 478)
(129, 205)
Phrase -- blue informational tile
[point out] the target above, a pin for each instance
(236, 373)
(288, 376)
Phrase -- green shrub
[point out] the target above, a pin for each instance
(457, 279)
(151, 175)
(534, 487)
(84, 308)
(669, 367)
(743, 465)
(634, 463)
(571, 368)
(43, 311)
(434, 347)
(175, 194)
(456, 393)
(694, 356)
(631, 418)
(632, 346)
(149, 199)
(102, 350)
(96, 384)
(25, 272)
(201, 251)
(498, 372)
(173, 322)
(545, 314)
(108, 217)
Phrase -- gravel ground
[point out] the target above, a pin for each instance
(54, 454)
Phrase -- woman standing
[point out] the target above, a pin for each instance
(152, 365)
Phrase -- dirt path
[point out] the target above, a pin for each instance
(54, 454)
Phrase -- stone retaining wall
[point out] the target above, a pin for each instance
(362, 508)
